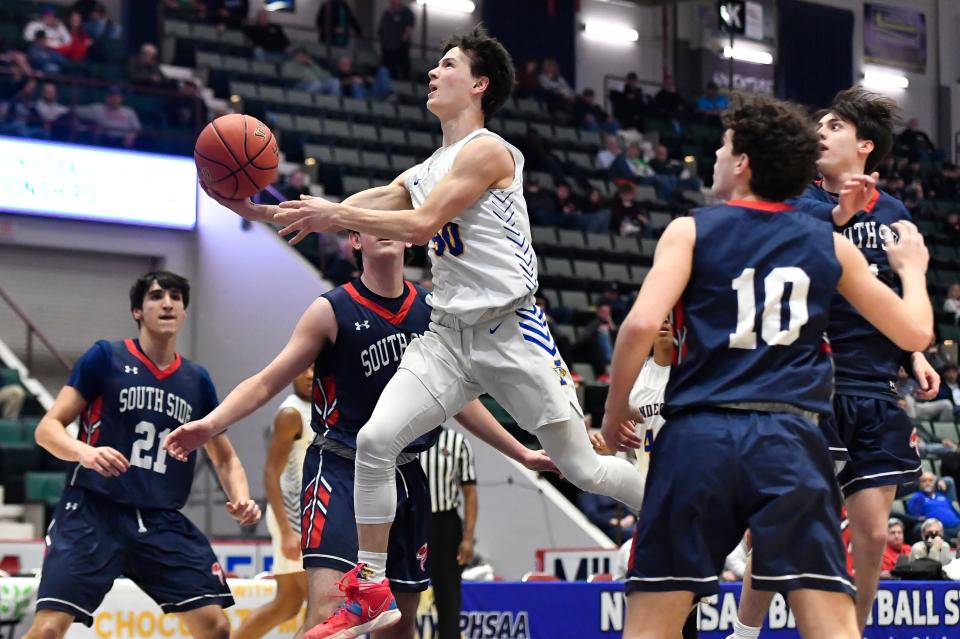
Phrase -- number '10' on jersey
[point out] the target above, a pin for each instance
(750, 323)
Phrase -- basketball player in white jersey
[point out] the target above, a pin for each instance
(487, 335)
(282, 481)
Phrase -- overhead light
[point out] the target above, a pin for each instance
(608, 32)
(235, 98)
(745, 54)
(460, 6)
(875, 79)
(310, 161)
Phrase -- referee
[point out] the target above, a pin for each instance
(450, 470)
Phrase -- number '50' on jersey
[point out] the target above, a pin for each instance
(131, 407)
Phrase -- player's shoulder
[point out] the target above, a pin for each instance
(422, 293)
(891, 206)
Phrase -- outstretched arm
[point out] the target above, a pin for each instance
(482, 164)
(478, 420)
(316, 327)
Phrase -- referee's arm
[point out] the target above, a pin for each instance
(467, 474)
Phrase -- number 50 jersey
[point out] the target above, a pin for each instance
(750, 324)
(132, 406)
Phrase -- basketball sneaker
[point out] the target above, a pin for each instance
(369, 606)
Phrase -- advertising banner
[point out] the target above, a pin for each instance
(894, 37)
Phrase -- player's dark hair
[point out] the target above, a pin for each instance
(487, 58)
(776, 136)
(872, 114)
(168, 281)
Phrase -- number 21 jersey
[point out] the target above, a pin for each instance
(132, 406)
(750, 324)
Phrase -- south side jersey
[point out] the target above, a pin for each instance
(351, 372)
(866, 361)
(132, 406)
(749, 326)
(482, 260)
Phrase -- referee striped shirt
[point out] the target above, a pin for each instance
(448, 466)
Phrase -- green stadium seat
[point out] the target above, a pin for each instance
(44, 486)
(11, 431)
(498, 411)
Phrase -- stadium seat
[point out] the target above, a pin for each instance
(390, 135)
(365, 133)
(622, 244)
(557, 266)
(375, 160)
(544, 235)
(616, 272)
(354, 184)
(570, 238)
(575, 299)
(645, 193)
(587, 269)
(585, 371)
(44, 486)
(552, 296)
(945, 430)
(401, 162)
(648, 246)
(565, 330)
(356, 106)
(600, 241)
(11, 431)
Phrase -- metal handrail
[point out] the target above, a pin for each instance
(33, 329)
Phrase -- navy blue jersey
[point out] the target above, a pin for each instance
(750, 323)
(351, 373)
(866, 361)
(132, 406)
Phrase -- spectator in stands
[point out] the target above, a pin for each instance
(949, 389)
(113, 123)
(915, 142)
(938, 409)
(104, 32)
(187, 110)
(11, 400)
(43, 57)
(355, 84)
(933, 543)
(595, 345)
(934, 354)
(670, 174)
(528, 79)
(629, 103)
(952, 303)
(609, 515)
(952, 227)
(295, 185)
(564, 347)
(14, 62)
(52, 115)
(76, 50)
(939, 450)
(309, 75)
(626, 215)
(396, 32)
(931, 501)
(144, 69)
(610, 151)
(712, 103)
(632, 165)
(668, 102)
(185, 9)
(590, 116)
(18, 114)
(555, 88)
(335, 22)
(594, 213)
(342, 266)
(540, 201)
(270, 41)
(895, 547)
(57, 35)
(227, 13)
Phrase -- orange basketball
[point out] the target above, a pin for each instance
(236, 156)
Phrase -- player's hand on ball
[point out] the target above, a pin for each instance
(290, 545)
(305, 216)
(856, 193)
(186, 439)
(103, 460)
(926, 377)
(908, 252)
(245, 511)
(539, 461)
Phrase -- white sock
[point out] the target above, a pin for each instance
(377, 563)
(743, 631)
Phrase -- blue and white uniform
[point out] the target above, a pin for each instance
(741, 447)
(130, 525)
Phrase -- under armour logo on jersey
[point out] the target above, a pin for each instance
(71, 505)
(130, 369)
(363, 324)
(875, 270)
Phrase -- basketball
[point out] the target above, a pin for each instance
(236, 156)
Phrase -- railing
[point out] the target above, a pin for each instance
(33, 330)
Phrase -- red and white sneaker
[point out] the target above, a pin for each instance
(369, 606)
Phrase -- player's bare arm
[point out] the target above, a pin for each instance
(478, 420)
(317, 326)
(287, 426)
(482, 164)
(233, 479)
(906, 321)
(856, 193)
(52, 435)
(663, 286)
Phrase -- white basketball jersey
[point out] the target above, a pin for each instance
(291, 482)
(647, 397)
(483, 262)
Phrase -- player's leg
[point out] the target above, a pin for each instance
(406, 628)
(690, 630)
(206, 622)
(754, 605)
(323, 596)
(655, 615)
(868, 511)
(49, 624)
(823, 615)
(286, 604)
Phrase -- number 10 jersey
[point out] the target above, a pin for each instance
(132, 406)
(750, 324)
